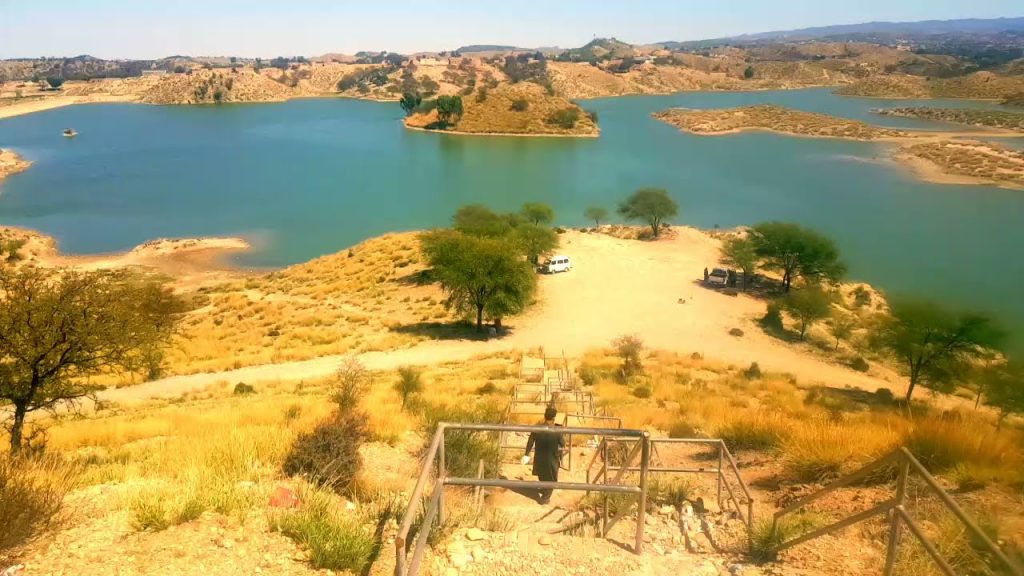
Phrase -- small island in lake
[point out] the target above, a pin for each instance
(933, 156)
(521, 109)
(775, 119)
(999, 119)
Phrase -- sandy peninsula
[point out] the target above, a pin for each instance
(940, 157)
(11, 163)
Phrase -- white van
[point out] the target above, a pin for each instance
(557, 264)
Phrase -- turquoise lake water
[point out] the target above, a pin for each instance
(309, 177)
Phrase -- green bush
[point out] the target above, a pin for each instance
(642, 392)
(683, 429)
(589, 375)
(766, 536)
(520, 105)
(329, 455)
(243, 389)
(565, 118)
(753, 372)
(487, 388)
(751, 434)
(772, 320)
(859, 364)
(334, 541)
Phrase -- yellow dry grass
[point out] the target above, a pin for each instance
(774, 118)
(342, 303)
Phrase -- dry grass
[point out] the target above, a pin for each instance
(817, 434)
(343, 303)
(774, 118)
(974, 159)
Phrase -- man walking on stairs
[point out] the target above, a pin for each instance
(548, 456)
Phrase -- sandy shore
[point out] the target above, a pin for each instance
(188, 261)
(11, 163)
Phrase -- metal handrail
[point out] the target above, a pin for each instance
(899, 515)
(435, 508)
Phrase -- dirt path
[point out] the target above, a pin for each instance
(616, 287)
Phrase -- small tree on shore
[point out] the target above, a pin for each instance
(796, 252)
(597, 214)
(449, 107)
(808, 306)
(740, 253)
(538, 213)
(934, 345)
(410, 102)
(534, 241)
(55, 81)
(57, 330)
(652, 205)
(410, 381)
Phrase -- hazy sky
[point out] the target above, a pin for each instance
(156, 28)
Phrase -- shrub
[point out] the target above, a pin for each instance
(642, 392)
(520, 105)
(670, 491)
(487, 388)
(464, 450)
(410, 381)
(589, 375)
(683, 429)
(628, 348)
(334, 541)
(592, 115)
(736, 332)
(329, 455)
(752, 433)
(943, 444)
(31, 495)
(566, 118)
(753, 372)
(772, 320)
(243, 389)
(859, 364)
(766, 536)
(884, 395)
(352, 382)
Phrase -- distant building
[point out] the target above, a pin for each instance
(154, 72)
(429, 61)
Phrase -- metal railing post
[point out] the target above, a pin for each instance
(721, 459)
(894, 522)
(641, 514)
(441, 474)
(604, 473)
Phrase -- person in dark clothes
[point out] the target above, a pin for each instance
(548, 455)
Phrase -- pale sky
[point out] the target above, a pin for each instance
(156, 28)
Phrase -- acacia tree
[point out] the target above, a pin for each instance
(57, 330)
(796, 252)
(479, 274)
(534, 241)
(449, 107)
(1004, 390)
(652, 205)
(808, 306)
(740, 253)
(479, 220)
(410, 102)
(537, 213)
(841, 326)
(936, 346)
(596, 213)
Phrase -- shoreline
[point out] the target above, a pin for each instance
(185, 259)
(12, 163)
(501, 134)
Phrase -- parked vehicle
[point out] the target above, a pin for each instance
(718, 277)
(556, 264)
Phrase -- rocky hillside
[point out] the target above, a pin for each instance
(523, 108)
(216, 86)
(980, 85)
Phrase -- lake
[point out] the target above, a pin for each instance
(309, 177)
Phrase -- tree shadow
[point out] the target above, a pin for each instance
(760, 287)
(421, 278)
(452, 331)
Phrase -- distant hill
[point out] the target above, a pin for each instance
(486, 48)
(598, 49)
